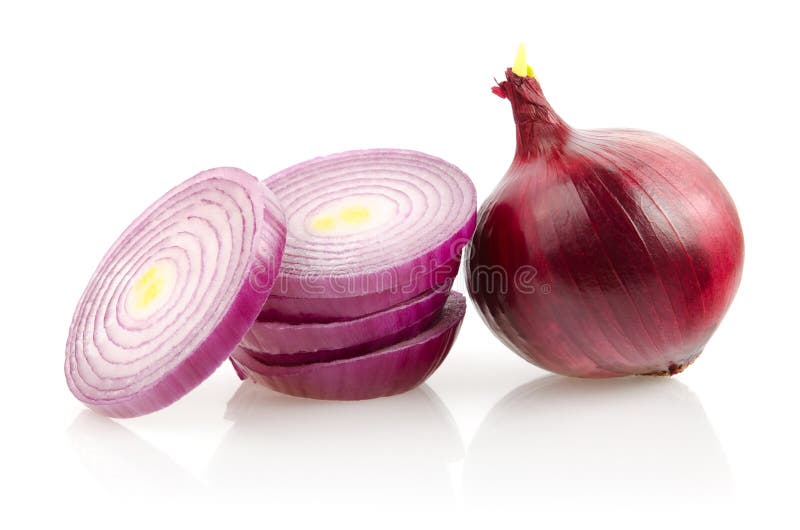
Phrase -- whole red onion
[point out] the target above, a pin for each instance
(602, 252)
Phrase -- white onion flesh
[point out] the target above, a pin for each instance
(365, 221)
(175, 294)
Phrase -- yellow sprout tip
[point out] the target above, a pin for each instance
(521, 67)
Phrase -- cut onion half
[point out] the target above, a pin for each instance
(384, 372)
(371, 227)
(291, 344)
(175, 293)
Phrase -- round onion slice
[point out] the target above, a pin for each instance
(367, 222)
(320, 310)
(175, 293)
(291, 344)
(391, 370)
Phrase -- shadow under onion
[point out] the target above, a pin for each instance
(557, 437)
(285, 449)
(124, 464)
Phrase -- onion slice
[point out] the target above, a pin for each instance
(385, 372)
(291, 344)
(368, 222)
(321, 310)
(175, 293)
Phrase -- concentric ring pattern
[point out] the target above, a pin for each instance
(400, 213)
(175, 293)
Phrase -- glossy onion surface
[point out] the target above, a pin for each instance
(602, 252)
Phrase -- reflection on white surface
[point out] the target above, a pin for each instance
(559, 437)
(287, 449)
(125, 464)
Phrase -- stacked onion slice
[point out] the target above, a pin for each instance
(290, 344)
(368, 230)
(362, 306)
(385, 371)
(175, 294)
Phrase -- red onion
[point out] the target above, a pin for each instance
(604, 252)
(289, 344)
(175, 294)
(369, 229)
(384, 372)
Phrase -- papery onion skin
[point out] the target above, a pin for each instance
(321, 310)
(630, 247)
(224, 234)
(280, 343)
(385, 372)
(433, 210)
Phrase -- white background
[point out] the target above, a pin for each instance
(103, 107)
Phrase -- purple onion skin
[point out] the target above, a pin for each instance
(385, 372)
(305, 310)
(279, 343)
(327, 355)
(621, 249)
